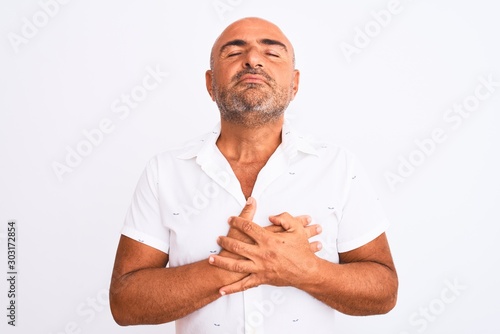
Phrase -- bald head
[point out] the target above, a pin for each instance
(241, 31)
(252, 75)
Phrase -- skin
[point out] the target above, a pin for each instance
(246, 48)
(364, 283)
(143, 291)
(252, 79)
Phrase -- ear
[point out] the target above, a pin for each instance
(208, 81)
(295, 81)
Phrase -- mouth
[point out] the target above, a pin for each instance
(252, 78)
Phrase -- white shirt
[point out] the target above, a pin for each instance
(185, 196)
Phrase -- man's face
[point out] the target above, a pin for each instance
(252, 79)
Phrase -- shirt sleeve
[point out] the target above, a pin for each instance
(143, 221)
(363, 218)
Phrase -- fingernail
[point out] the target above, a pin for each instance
(211, 259)
(249, 200)
(320, 246)
(223, 293)
(319, 229)
(308, 219)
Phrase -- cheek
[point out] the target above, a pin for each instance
(222, 81)
(226, 71)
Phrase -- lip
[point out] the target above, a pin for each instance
(255, 78)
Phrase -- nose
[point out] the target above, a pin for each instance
(253, 59)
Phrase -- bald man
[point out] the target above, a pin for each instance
(305, 236)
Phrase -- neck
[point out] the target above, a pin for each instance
(243, 144)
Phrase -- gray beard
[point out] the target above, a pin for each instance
(252, 106)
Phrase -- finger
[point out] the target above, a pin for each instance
(274, 229)
(254, 231)
(315, 246)
(312, 230)
(234, 265)
(304, 219)
(249, 209)
(247, 212)
(245, 283)
(290, 223)
(236, 246)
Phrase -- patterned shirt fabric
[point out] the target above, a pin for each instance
(185, 196)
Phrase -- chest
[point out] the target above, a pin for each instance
(247, 175)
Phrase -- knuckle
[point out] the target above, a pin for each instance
(246, 226)
(269, 255)
(286, 214)
(304, 220)
(239, 268)
(237, 247)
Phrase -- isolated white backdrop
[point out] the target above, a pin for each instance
(66, 75)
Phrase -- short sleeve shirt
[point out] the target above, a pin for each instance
(183, 200)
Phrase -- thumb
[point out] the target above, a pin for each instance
(249, 210)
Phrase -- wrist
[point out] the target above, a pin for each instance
(312, 276)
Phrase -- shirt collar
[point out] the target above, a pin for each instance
(291, 144)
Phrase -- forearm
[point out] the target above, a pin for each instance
(358, 288)
(160, 295)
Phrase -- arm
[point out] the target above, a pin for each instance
(364, 283)
(143, 291)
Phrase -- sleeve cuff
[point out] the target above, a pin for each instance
(145, 239)
(348, 245)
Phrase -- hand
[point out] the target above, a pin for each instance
(278, 259)
(247, 213)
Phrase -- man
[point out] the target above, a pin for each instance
(309, 239)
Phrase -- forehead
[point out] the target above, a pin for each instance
(250, 30)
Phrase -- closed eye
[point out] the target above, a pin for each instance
(273, 54)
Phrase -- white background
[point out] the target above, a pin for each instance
(64, 78)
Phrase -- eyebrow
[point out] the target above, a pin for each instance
(240, 42)
(268, 41)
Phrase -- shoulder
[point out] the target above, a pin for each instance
(184, 151)
(326, 150)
